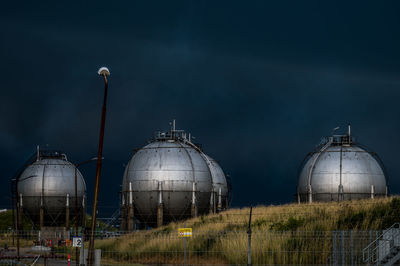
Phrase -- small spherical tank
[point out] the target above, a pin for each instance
(341, 169)
(49, 183)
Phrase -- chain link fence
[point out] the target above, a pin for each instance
(208, 247)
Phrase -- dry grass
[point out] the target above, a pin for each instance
(283, 234)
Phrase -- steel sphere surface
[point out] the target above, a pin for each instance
(175, 166)
(220, 184)
(48, 182)
(341, 169)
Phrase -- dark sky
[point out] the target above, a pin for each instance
(258, 83)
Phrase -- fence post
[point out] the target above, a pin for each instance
(351, 247)
(184, 247)
(343, 252)
(249, 238)
(334, 248)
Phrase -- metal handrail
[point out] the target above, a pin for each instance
(372, 253)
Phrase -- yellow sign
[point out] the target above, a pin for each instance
(184, 232)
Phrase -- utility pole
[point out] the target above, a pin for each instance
(76, 204)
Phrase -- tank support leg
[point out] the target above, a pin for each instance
(160, 207)
(130, 218)
(194, 211)
(160, 214)
(212, 202)
(67, 213)
(219, 200)
(41, 214)
(20, 207)
(123, 213)
(194, 207)
(130, 209)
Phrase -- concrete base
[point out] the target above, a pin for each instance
(97, 257)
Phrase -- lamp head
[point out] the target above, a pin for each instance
(103, 71)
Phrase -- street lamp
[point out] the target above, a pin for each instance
(76, 201)
(104, 72)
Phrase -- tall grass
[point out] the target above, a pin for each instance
(284, 234)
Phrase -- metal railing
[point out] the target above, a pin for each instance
(384, 241)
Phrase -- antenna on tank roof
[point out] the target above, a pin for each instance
(349, 130)
(349, 133)
(173, 127)
(37, 153)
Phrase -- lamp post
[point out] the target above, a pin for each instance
(76, 201)
(17, 205)
(104, 72)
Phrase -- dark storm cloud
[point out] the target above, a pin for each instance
(258, 84)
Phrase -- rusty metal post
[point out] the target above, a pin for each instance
(103, 72)
(160, 215)
(41, 213)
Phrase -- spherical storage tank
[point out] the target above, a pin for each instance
(171, 179)
(341, 169)
(47, 186)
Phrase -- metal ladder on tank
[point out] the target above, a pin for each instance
(326, 146)
(385, 249)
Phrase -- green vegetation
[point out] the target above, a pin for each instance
(285, 234)
(6, 221)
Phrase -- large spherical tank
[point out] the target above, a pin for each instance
(175, 168)
(50, 183)
(341, 170)
(220, 184)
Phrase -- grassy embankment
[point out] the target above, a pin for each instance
(288, 233)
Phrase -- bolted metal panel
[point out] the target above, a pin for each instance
(344, 170)
(47, 182)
